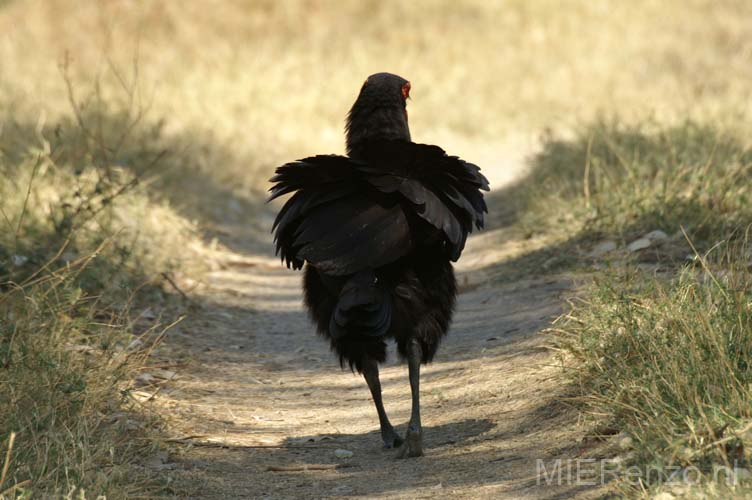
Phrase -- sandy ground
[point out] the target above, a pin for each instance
(261, 391)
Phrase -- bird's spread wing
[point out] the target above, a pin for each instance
(445, 191)
(347, 215)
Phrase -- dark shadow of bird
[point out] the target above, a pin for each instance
(377, 231)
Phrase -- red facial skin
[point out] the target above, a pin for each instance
(406, 91)
(406, 94)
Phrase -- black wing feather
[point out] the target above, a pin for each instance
(453, 202)
(348, 215)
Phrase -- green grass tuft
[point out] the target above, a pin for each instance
(668, 362)
(623, 180)
(661, 353)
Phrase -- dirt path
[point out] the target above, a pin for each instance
(261, 390)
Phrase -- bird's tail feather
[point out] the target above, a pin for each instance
(364, 307)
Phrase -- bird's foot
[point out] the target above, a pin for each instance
(391, 438)
(413, 445)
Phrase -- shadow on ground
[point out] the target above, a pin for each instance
(460, 455)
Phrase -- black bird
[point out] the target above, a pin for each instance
(377, 231)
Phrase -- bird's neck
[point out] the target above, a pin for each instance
(368, 124)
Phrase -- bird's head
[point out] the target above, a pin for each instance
(379, 112)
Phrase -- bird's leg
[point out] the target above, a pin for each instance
(371, 374)
(413, 445)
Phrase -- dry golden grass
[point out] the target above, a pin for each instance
(666, 363)
(270, 81)
(233, 88)
(82, 247)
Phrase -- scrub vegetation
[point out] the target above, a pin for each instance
(132, 132)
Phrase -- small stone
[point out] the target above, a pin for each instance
(132, 425)
(685, 453)
(136, 344)
(656, 235)
(638, 244)
(626, 442)
(235, 206)
(665, 495)
(19, 260)
(741, 474)
(157, 460)
(164, 374)
(146, 379)
(147, 314)
(602, 248)
(342, 453)
(69, 257)
(141, 396)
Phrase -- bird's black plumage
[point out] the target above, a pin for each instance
(377, 231)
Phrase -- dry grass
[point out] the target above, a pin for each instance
(666, 363)
(658, 346)
(271, 81)
(200, 100)
(82, 250)
(621, 181)
(67, 362)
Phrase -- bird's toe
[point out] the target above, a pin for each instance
(412, 445)
(396, 442)
(391, 439)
